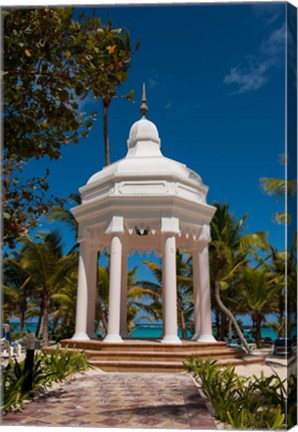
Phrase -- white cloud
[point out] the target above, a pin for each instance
(169, 105)
(267, 12)
(253, 74)
(275, 43)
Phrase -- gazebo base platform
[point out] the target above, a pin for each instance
(143, 355)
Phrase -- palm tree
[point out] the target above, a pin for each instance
(66, 299)
(229, 252)
(133, 294)
(61, 214)
(103, 296)
(280, 188)
(153, 291)
(17, 287)
(43, 259)
(258, 292)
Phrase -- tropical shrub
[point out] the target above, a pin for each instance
(245, 403)
(48, 368)
(62, 364)
(12, 379)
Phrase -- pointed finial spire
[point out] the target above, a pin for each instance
(144, 107)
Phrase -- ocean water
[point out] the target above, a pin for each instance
(156, 332)
(15, 326)
(143, 331)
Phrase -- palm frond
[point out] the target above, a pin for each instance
(273, 186)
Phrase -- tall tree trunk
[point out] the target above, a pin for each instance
(281, 307)
(258, 321)
(38, 327)
(106, 103)
(223, 326)
(45, 327)
(55, 323)
(23, 311)
(230, 329)
(229, 314)
(217, 321)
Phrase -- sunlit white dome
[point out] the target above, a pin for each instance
(143, 130)
(145, 163)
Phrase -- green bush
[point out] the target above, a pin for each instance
(48, 368)
(245, 403)
(12, 380)
(61, 364)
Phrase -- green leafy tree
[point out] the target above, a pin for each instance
(153, 291)
(62, 214)
(64, 308)
(43, 259)
(51, 62)
(279, 188)
(229, 255)
(258, 293)
(133, 292)
(17, 288)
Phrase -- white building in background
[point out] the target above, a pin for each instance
(144, 201)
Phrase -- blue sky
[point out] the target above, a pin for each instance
(215, 77)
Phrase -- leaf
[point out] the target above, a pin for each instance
(130, 95)
(63, 95)
(28, 53)
(111, 49)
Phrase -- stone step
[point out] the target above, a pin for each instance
(161, 366)
(170, 356)
(143, 345)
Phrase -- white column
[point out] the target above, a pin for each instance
(170, 291)
(163, 297)
(205, 297)
(115, 290)
(92, 292)
(123, 310)
(196, 294)
(82, 296)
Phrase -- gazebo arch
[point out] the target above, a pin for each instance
(144, 201)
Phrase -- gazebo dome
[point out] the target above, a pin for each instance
(143, 130)
(144, 162)
(144, 159)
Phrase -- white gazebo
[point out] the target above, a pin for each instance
(143, 202)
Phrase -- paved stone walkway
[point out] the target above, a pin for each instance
(128, 400)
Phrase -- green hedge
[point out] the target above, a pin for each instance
(244, 403)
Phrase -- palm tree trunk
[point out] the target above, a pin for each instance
(230, 329)
(23, 312)
(281, 307)
(258, 321)
(40, 330)
(45, 327)
(38, 327)
(55, 322)
(217, 320)
(106, 104)
(228, 313)
(223, 326)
